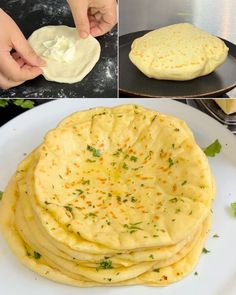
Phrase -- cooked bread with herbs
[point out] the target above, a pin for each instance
(113, 196)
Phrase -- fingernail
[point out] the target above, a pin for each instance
(83, 34)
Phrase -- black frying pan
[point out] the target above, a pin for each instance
(134, 83)
(100, 82)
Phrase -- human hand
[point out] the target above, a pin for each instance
(21, 65)
(95, 17)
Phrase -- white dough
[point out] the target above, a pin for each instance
(69, 58)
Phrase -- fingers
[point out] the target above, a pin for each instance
(6, 83)
(79, 11)
(11, 70)
(99, 26)
(18, 59)
(102, 19)
(22, 46)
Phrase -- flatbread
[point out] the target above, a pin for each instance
(154, 185)
(47, 268)
(130, 201)
(178, 52)
(68, 57)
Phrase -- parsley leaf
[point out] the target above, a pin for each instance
(213, 149)
(95, 152)
(125, 166)
(133, 158)
(105, 264)
(205, 251)
(68, 208)
(24, 103)
(1, 194)
(37, 255)
(171, 162)
(233, 208)
(4, 103)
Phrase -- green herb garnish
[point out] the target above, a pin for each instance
(95, 152)
(171, 162)
(215, 236)
(157, 270)
(205, 251)
(174, 200)
(4, 103)
(151, 256)
(133, 158)
(37, 255)
(80, 191)
(1, 194)
(86, 181)
(105, 264)
(24, 103)
(125, 166)
(184, 182)
(133, 227)
(213, 149)
(68, 208)
(233, 208)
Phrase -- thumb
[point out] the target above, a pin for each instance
(79, 11)
(22, 46)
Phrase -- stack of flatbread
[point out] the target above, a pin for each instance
(113, 196)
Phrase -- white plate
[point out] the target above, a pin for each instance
(216, 270)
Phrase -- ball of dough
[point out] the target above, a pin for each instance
(178, 52)
(68, 57)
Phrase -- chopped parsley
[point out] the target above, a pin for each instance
(95, 152)
(233, 208)
(90, 161)
(215, 236)
(68, 208)
(80, 191)
(90, 214)
(133, 199)
(205, 251)
(86, 181)
(105, 264)
(176, 129)
(151, 256)
(133, 158)
(1, 194)
(133, 227)
(118, 152)
(171, 162)
(125, 166)
(157, 270)
(153, 119)
(213, 149)
(37, 255)
(184, 182)
(173, 200)
(196, 273)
